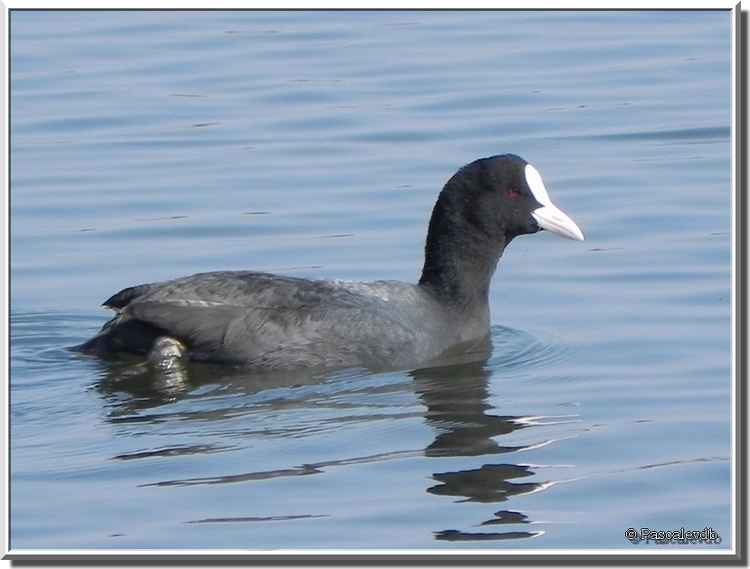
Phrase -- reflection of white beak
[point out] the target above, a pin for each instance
(549, 216)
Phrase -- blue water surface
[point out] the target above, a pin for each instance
(151, 145)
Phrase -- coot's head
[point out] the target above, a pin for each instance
(480, 210)
(505, 196)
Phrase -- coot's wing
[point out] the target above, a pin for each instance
(202, 327)
(236, 315)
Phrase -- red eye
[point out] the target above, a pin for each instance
(514, 194)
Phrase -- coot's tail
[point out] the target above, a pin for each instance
(122, 335)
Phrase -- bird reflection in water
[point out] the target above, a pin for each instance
(457, 405)
(456, 398)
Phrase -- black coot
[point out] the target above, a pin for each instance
(277, 322)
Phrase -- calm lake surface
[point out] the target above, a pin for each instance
(151, 145)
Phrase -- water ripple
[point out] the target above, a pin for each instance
(519, 351)
(681, 134)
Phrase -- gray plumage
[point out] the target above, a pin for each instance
(272, 321)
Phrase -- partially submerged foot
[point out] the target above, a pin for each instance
(166, 352)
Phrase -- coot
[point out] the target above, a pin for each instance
(271, 322)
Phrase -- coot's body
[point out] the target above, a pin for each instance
(278, 322)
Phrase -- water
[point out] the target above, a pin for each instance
(147, 146)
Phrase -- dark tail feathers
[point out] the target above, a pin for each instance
(126, 295)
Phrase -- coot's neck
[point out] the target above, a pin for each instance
(460, 258)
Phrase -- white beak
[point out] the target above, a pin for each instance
(549, 216)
